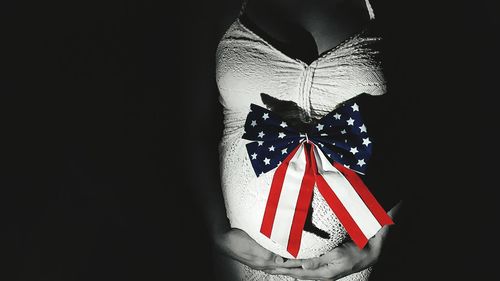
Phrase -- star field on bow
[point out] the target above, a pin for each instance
(341, 135)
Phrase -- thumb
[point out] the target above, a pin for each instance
(270, 257)
(313, 263)
(278, 259)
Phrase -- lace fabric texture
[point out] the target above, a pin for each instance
(247, 66)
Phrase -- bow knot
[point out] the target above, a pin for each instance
(327, 155)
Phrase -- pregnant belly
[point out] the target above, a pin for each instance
(246, 196)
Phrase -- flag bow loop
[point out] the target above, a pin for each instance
(329, 154)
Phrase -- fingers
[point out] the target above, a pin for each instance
(270, 264)
(290, 263)
(305, 274)
(267, 262)
(298, 263)
(313, 263)
(286, 263)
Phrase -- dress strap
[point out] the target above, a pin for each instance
(243, 6)
(369, 8)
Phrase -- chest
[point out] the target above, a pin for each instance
(306, 29)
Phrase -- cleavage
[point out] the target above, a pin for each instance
(305, 30)
(295, 41)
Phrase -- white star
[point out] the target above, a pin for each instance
(271, 148)
(361, 162)
(347, 166)
(333, 143)
(254, 156)
(341, 155)
(281, 135)
(254, 123)
(260, 143)
(354, 150)
(337, 116)
(366, 141)
(321, 144)
(355, 107)
(350, 122)
(329, 155)
(267, 161)
(261, 134)
(319, 127)
(265, 116)
(362, 128)
(324, 135)
(283, 125)
(343, 132)
(284, 151)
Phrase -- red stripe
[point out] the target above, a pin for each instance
(342, 214)
(302, 206)
(338, 208)
(274, 195)
(365, 194)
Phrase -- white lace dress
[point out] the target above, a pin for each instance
(247, 66)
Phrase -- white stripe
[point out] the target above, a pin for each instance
(288, 199)
(347, 195)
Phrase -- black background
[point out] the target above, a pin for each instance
(94, 98)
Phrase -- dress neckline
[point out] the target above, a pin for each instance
(320, 56)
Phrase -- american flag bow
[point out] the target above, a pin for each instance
(328, 154)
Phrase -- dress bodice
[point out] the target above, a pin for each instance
(247, 66)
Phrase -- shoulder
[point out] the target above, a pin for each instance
(226, 17)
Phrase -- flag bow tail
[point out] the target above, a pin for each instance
(291, 193)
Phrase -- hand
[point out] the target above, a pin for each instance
(343, 260)
(237, 244)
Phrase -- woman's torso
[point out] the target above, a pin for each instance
(248, 65)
